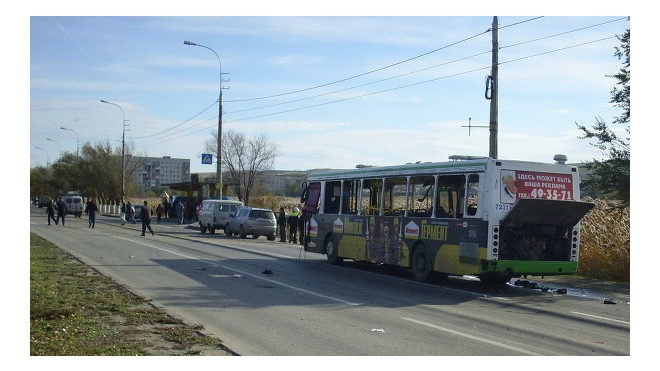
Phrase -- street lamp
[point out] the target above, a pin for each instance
(44, 151)
(58, 146)
(77, 142)
(219, 163)
(123, 137)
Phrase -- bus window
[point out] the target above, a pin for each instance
(371, 195)
(448, 198)
(332, 195)
(420, 197)
(472, 194)
(349, 196)
(394, 199)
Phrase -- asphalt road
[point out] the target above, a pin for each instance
(269, 298)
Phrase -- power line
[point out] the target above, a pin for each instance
(380, 80)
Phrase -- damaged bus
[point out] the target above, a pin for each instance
(490, 218)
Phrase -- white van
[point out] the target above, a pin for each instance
(74, 205)
(214, 214)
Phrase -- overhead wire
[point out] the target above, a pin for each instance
(374, 82)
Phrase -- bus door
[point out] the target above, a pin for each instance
(311, 194)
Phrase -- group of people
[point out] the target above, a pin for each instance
(127, 215)
(58, 207)
(292, 221)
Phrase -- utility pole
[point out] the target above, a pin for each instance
(492, 85)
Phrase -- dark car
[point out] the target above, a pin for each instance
(253, 221)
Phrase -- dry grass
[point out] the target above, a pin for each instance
(605, 249)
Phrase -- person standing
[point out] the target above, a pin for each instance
(281, 224)
(292, 221)
(159, 212)
(145, 217)
(179, 212)
(61, 210)
(129, 211)
(91, 208)
(122, 213)
(167, 208)
(50, 211)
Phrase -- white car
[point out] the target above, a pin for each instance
(214, 214)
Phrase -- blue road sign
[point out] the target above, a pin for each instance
(207, 158)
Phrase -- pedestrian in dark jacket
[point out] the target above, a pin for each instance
(159, 212)
(50, 211)
(91, 208)
(145, 217)
(281, 224)
(61, 210)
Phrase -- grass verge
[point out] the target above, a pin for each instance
(75, 311)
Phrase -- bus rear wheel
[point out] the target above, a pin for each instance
(421, 265)
(331, 251)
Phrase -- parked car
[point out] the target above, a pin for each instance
(253, 221)
(214, 214)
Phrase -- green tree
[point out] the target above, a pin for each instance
(611, 177)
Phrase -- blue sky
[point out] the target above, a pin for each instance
(329, 91)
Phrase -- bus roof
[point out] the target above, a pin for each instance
(470, 165)
(478, 165)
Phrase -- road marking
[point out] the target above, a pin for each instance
(599, 317)
(472, 337)
(243, 273)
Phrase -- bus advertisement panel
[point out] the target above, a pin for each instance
(530, 184)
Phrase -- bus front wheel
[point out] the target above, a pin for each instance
(331, 251)
(421, 265)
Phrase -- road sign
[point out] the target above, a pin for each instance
(207, 158)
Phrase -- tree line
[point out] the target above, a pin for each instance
(96, 172)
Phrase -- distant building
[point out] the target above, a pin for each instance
(160, 171)
(157, 171)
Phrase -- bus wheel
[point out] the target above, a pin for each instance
(421, 266)
(331, 251)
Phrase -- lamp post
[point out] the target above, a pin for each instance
(58, 146)
(77, 142)
(219, 160)
(44, 151)
(123, 137)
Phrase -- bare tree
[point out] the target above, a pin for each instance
(244, 159)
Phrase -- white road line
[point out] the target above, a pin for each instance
(599, 317)
(244, 273)
(454, 332)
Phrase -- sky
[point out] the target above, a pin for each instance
(328, 91)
